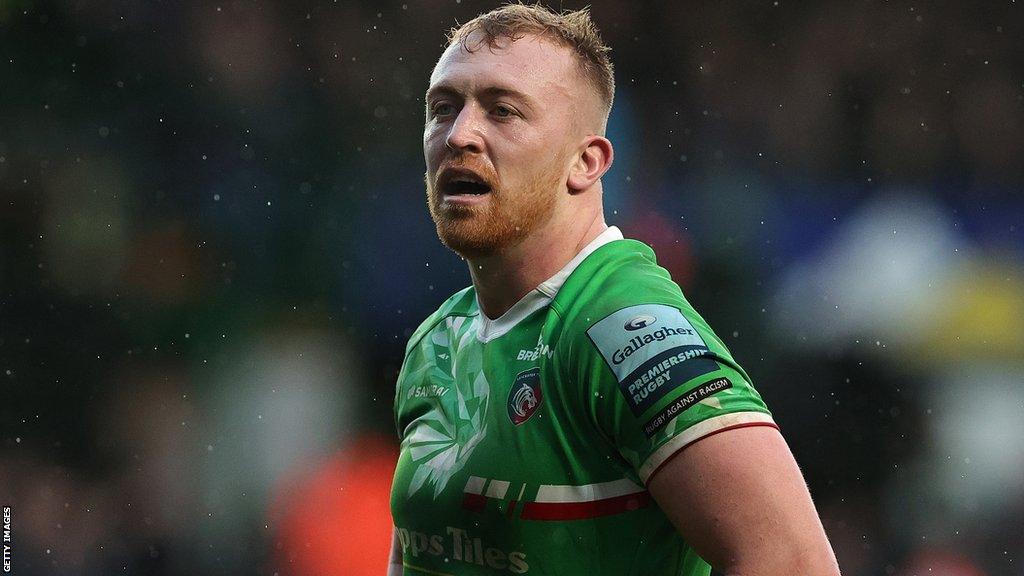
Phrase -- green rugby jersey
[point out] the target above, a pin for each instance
(526, 441)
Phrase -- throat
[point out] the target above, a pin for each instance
(504, 279)
(498, 290)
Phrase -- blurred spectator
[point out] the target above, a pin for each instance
(335, 519)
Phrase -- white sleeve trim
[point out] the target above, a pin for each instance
(696, 432)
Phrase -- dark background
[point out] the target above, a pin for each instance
(214, 244)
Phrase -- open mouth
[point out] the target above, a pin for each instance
(460, 187)
(462, 182)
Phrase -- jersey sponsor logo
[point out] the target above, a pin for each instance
(651, 349)
(631, 336)
(459, 545)
(538, 351)
(427, 391)
(665, 372)
(641, 321)
(524, 397)
(681, 404)
(638, 342)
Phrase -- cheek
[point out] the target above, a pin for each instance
(433, 147)
(522, 138)
(429, 136)
(543, 160)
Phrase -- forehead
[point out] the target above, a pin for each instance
(535, 66)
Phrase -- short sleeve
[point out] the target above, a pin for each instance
(657, 379)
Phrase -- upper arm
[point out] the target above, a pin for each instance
(654, 378)
(740, 500)
(666, 392)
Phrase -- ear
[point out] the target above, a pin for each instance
(594, 160)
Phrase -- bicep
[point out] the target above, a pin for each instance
(740, 500)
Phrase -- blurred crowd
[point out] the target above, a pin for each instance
(214, 244)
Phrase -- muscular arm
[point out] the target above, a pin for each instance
(740, 500)
(395, 561)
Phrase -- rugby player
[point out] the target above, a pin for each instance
(570, 413)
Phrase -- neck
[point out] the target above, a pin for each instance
(503, 279)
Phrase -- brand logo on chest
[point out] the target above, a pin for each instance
(541, 350)
(524, 397)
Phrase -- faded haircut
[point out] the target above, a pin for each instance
(572, 29)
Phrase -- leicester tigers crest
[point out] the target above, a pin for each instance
(524, 397)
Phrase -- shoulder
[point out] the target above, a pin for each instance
(620, 302)
(619, 276)
(462, 303)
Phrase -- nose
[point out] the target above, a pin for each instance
(465, 133)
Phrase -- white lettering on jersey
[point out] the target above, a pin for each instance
(541, 349)
(632, 336)
(427, 391)
(462, 547)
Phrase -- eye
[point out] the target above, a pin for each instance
(441, 109)
(502, 111)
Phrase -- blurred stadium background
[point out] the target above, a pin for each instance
(214, 244)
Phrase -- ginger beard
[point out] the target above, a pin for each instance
(502, 222)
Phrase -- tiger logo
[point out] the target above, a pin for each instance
(524, 397)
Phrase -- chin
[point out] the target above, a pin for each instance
(470, 231)
(490, 228)
(469, 240)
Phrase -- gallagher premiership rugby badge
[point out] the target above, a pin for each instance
(524, 397)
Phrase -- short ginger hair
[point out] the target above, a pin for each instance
(572, 29)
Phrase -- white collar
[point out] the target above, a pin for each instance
(542, 295)
(552, 285)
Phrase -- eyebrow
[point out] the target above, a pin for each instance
(491, 92)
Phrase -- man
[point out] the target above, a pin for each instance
(570, 413)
